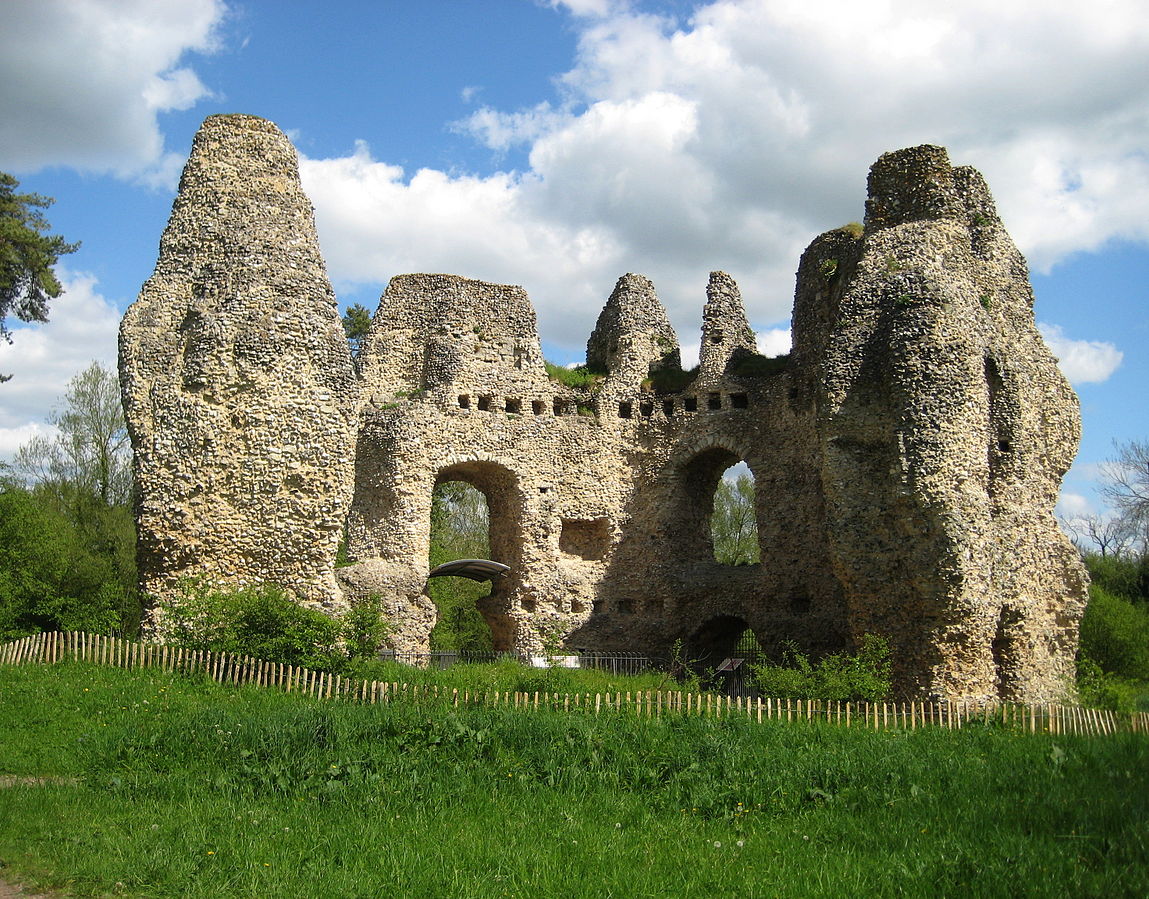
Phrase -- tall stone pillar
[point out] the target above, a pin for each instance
(237, 380)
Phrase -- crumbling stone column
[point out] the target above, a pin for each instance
(237, 379)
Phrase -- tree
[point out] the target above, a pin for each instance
(52, 577)
(356, 324)
(80, 482)
(1106, 535)
(1126, 486)
(734, 524)
(90, 454)
(27, 257)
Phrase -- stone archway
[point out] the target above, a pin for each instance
(698, 478)
(499, 487)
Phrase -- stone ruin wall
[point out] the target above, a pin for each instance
(906, 457)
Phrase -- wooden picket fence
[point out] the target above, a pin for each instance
(227, 668)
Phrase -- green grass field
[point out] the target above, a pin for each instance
(166, 785)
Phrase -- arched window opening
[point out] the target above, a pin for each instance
(734, 521)
(460, 529)
(716, 518)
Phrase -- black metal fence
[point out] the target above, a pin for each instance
(731, 677)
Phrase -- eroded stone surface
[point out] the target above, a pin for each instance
(907, 455)
(237, 380)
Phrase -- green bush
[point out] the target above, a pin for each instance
(1120, 575)
(1115, 635)
(1101, 690)
(56, 576)
(668, 379)
(756, 366)
(261, 621)
(865, 675)
(581, 377)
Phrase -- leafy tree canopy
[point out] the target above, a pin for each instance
(27, 256)
(356, 324)
(90, 452)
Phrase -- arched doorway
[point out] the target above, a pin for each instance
(460, 529)
(475, 514)
(721, 651)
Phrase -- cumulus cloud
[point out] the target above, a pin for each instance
(1081, 361)
(84, 80)
(729, 140)
(774, 341)
(42, 358)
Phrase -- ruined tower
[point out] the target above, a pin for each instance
(237, 381)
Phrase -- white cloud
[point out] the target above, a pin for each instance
(730, 140)
(84, 80)
(1073, 506)
(11, 439)
(42, 358)
(1081, 361)
(774, 341)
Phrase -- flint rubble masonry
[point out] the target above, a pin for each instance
(907, 455)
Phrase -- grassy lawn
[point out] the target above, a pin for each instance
(172, 786)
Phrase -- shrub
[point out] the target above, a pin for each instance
(54, 575)
(668, 379)
(262, 621)
(1120, 575)
(1100, 690)
(864, 675)
(581, 377)
(756, 366)
(1115, 635)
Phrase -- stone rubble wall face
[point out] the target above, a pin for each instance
(943, 405)
(906, 459)
(237, 380)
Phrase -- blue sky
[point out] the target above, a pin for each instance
(561, 144)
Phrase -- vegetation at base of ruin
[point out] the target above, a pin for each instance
(581, 377)
(864, 675)
(28, 255)
(64, 565)
(459, 530)
(751, 365)
(166, 785)
(1113, 658)
(669, 379)
(508, 674)
(266, 622)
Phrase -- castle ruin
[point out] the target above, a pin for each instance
(907, 454)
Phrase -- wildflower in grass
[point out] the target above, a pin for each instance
(717, 844)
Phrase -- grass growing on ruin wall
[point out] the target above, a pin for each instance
(164, 785)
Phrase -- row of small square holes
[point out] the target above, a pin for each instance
(625, 408)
